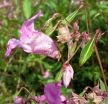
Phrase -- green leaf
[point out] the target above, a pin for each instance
(70, 17)
(87, 51)
(102, 85)
(58, 76)
(49, 27)
(27, 8)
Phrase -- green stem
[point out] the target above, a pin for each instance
(88, 22)
(22, 88)
(101, 67)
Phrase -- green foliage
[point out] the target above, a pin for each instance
(48, 27)
(27, 9)
(87, 51)
(58, 76)
(102, 85)
(70, 17)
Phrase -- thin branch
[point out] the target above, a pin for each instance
(101, 67)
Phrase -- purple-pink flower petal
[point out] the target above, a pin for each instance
(27, 28)
(12, 43)
(52, 93)
(45, 45)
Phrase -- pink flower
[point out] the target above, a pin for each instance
(33, 41)
(67, 74)
(52, 93)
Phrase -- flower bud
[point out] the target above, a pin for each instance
(63, 34)
(67, 74)
(46, 74)
(75, 26)
(85, 38)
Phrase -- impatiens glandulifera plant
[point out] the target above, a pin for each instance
(37, 42)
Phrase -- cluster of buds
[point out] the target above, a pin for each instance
(64, 35)
(98, 34)
(85, 38)
(73, 39)
(97, 96)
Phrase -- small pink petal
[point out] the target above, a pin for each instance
(63, 98)
(46, 74)
(12, 43)
(28, 27)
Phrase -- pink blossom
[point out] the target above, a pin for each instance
(33, 41)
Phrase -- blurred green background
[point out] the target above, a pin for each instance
(22, 70)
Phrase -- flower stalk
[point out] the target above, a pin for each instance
(101, 67)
